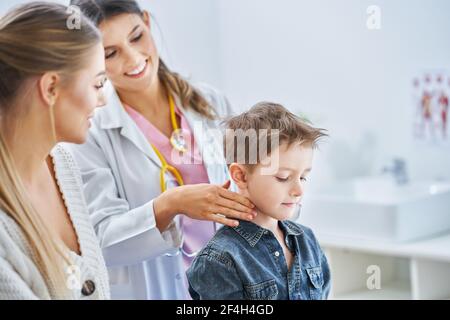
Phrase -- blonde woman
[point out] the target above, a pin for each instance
(154, 211)
(51, 81)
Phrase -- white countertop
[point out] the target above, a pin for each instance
(436, 249)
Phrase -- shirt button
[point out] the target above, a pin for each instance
(178, 276)
(88, 288)
(277, 254)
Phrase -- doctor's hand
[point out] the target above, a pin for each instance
(203, 202)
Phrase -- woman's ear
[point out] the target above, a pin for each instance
(146, 18)
(239, 175)
(49, 84)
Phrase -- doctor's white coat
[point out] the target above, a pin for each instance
(120, 173)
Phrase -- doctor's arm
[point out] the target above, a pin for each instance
(127, 236)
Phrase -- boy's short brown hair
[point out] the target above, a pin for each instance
(265, 122)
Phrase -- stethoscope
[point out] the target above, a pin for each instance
(178, 142)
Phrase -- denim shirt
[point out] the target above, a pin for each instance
(247, 262)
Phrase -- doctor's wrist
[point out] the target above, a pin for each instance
(165, 207)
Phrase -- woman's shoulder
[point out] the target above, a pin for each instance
(13, 245)
(64, 161)
(66, 168)
(215, 98)
(62, 155)
(69, 180)
(6, 224)
(9, 231)
(19, 275)
(207, 89)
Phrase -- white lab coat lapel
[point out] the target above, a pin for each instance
(114, 115)
(208, 143)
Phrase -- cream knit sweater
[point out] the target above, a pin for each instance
(19, 275)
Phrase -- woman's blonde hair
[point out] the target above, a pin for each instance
(101, 10)
(36, 38)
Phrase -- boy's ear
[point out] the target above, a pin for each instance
(239, 175)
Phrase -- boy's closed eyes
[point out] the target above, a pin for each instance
(276, 196)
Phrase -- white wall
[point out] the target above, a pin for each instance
(187, 34)
(319, 58)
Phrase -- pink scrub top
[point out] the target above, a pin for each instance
(190, 165)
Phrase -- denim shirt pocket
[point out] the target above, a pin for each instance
(315, 277)
(266, 290)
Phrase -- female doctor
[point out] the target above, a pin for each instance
(153, 169)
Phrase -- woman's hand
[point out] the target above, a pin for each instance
(203, 202)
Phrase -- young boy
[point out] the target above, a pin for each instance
(271, 257)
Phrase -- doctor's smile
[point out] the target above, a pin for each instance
(138, 71)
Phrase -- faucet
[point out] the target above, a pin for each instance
(398, 170)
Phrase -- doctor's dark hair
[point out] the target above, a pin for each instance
(101, 10)
(35, 39)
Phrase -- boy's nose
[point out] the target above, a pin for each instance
(297, 190)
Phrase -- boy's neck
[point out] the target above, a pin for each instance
(263, 220)
(266, 222)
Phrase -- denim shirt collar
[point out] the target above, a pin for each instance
(252, 233)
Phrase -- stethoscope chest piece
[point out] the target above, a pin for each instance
(178, 140)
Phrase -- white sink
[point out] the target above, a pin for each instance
(377, 208)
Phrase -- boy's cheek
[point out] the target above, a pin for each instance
(266, 198)
(265, 192)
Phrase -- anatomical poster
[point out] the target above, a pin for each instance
(431, 93)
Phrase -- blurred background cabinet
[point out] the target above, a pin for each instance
(416, 270)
